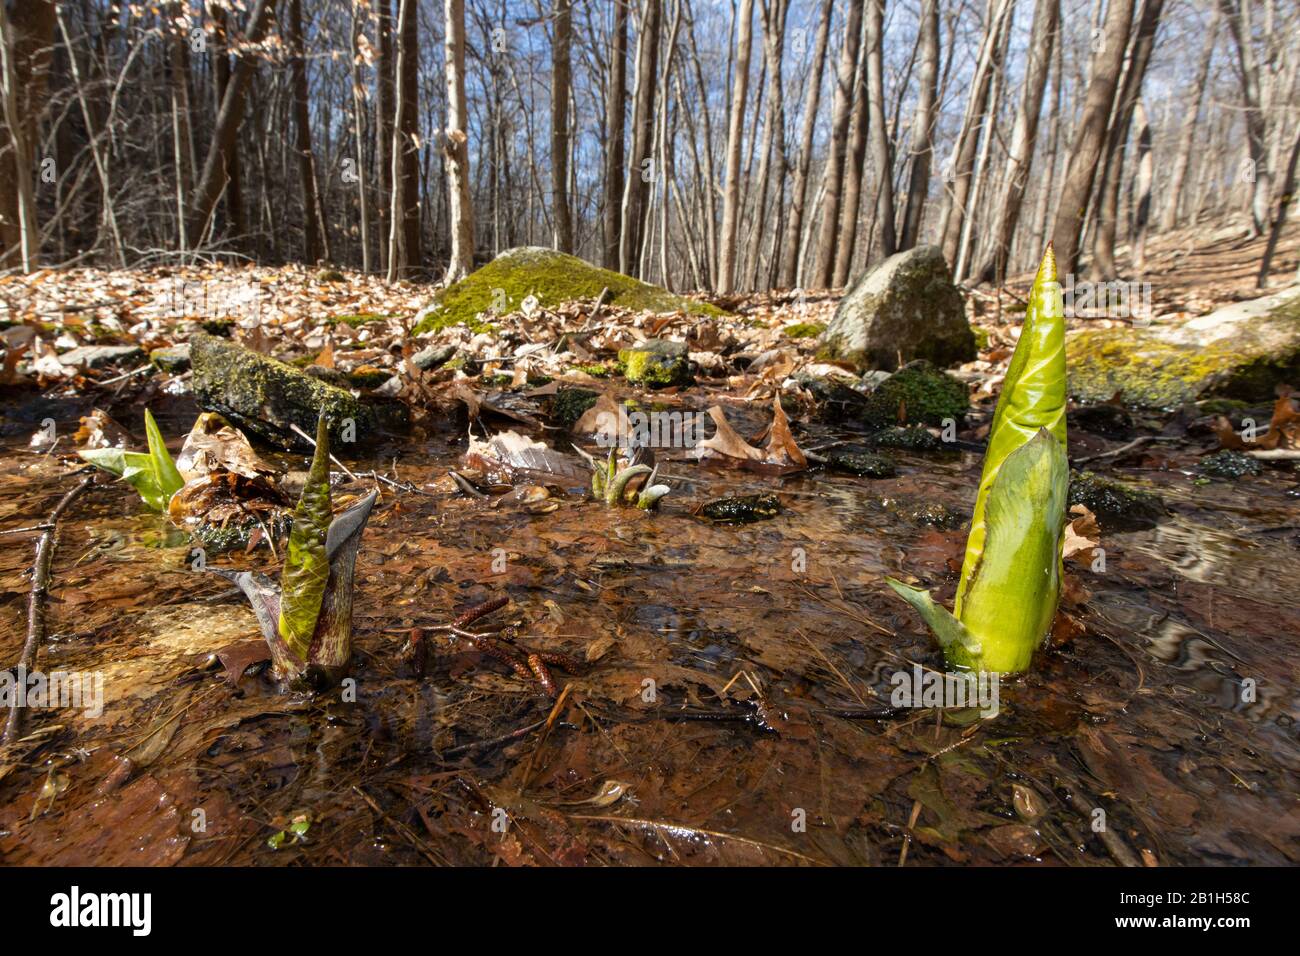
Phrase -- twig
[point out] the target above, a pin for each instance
(303, 434)
(36, 604)
(1114, 452)
(1276, 454)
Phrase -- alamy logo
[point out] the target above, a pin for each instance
(649, 429)
(75, 690)
(926, 688)
(103, 909)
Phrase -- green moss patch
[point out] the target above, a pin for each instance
(922, 392)
(803, 330)
(554, 278)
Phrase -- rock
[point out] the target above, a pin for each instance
(1229, 465)
(741, 509)
(930, 514)
(923, 394)
(908, 304)
(264, 396)
(836, 401)
(330, 376)
(862, 463)
(97, 356)
(657, 362)
(554, 278)
(569, 404)
(171, 358)
(1241, 351)
(428, 359)
(1117, 505)
(909, 439)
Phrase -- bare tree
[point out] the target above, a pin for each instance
(560, 92)
(1090, 140)
(1238, 13)
(922, 146)
(735, 134)
(615, 112)
(456, 147)
(636, 193)
(24, 56)
(841, 110)
(314, 241)
(882, 158)
(1183, 156)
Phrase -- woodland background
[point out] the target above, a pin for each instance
(721, 145)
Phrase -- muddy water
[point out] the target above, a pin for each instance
(726, 714)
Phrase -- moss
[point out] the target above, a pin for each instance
(595, 370)
(1221, 406)
(741, 509)
(569, 404)
(804, 330)
(861, 463)
(1228, 465)
(913, 439)
(1170, 369)
(368, 376)
(924, 393)
(1119, 506)
(981, 337)
(330, 275)
(554, 278)
(657, 363)
(235, 535)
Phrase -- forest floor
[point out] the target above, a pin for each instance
(732, 704)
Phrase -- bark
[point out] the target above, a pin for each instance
(560, 89)
(1141, 190)
(222, 147)
(773, 152)
(636, 192)
(1043, 36)
(407, 119)
(735, 137)
(456, 149)
(615, 111)
(358, 132)
(841, 108)
(1237, 13)
(313, 235)
(791, 246)
(918, 185)
(1112, 176)
(233, 198)
(385, 111)
(881, 155)
(1090, 140)
(1183, 157)
(1283, 206)
(855, 163)
(26, 35)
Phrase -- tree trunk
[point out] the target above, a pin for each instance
(1112, 175)
(26, 36)
(964, 149)
(882, 157)
(1141, 190)
(461, 211)
(560, 83)
(735, 137)
(222, 147)
(841, 109)
(636, 192)
(385, 111)
(358, 132)
(922, 149)
(855, 166)
(1284, 204)
(1024, 136)
(407, 119)
(313, 238)
(1086, 152)
(1237, 13)
(1183, 158)
(615, 110)
(790, 245)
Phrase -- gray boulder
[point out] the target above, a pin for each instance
(906, 307)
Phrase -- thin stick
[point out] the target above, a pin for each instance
(36, 604)
(343, 467)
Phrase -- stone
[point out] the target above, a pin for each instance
(432, 357)
(922, 393)
(265, 397)
(98, 356)
(656, 362)
(1118, 506)
(863, 463)
(1241, 351)
(907, 305)
(171, 358)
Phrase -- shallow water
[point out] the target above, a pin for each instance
(1168, 702)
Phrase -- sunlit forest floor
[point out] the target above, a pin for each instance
(732, 700)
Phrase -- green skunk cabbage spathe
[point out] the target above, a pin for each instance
(1011, 575)
(152, 474)
(307, 619)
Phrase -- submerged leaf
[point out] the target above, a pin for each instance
(306, 564)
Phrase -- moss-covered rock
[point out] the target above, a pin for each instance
(171, 358)
(921, 392)
(913, 439)
(265, 397)
(908, 306)
(803, 330)
(1228, 465)
(569, 404)
(1242, 351)
(657, 363)
(741, 509)
(836, 400)
(1118, 506)
(863, 463)
(554, 278)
